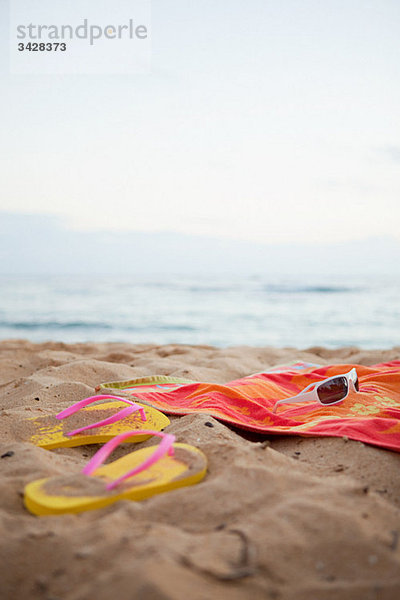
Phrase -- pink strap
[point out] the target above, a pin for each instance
(162, 449)
(71, 410)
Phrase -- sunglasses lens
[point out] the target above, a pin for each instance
(356, 384)
(332, 391)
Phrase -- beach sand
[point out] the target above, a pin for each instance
(275, 517)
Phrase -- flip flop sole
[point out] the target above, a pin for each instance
(59, 495)
(50, 433)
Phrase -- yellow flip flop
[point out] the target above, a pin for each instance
(50, 431)
(135, 476)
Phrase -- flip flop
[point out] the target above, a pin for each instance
(135, 476)
(47, 432)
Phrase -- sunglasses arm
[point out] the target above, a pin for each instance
(304, 396)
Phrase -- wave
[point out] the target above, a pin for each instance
(82, 325)
(194, 288)
(250, 286)
(54, 325)
(310, 289)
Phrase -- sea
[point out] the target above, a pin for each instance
(222, 311)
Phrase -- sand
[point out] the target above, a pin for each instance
(275, 517)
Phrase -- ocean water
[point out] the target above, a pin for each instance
(217, 311)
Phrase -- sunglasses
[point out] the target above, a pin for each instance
(329, 391)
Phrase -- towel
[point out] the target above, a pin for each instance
(371, 415)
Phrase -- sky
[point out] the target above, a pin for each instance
(266, 120)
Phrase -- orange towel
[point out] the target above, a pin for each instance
(372, 415)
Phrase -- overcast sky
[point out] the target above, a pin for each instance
(270, 120)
